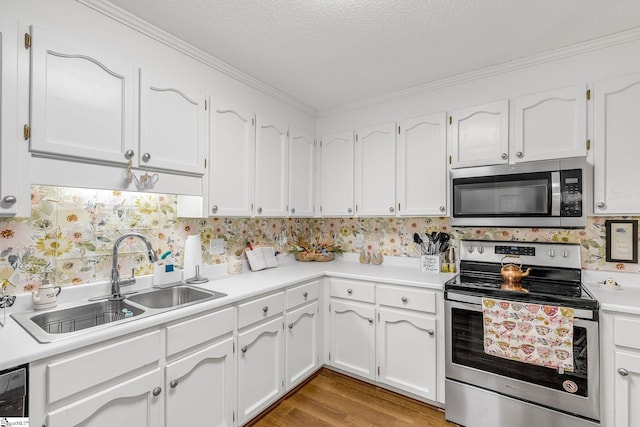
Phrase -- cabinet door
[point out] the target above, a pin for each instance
(232, 151)
(551, 125)
(272, 168)
(260, 367)
(173, 125)
(616, 154)
(201, 387)
(352, 337)
(15, 197)
(627, 389)
(337, 174)
(81, 100)
(407, 351)
(134, 402)
(422, 166)
(301, 344)
(480, 135)
(375, 179)
(301, 172)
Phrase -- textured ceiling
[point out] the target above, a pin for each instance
(328, 53)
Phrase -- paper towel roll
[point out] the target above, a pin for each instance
(192, 256)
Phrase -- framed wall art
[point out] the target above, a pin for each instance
(622, 241)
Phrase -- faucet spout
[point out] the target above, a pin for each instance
(116, 282)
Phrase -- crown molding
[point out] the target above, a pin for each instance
(554, 55)
(110, 10)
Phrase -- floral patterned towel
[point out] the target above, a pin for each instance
(531, 333)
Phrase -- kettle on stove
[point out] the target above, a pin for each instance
(512, 274)
(46, 296)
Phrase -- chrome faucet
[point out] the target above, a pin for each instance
(116, 282)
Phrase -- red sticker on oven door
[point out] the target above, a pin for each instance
(570, 386)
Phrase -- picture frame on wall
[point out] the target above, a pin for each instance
(622, 241)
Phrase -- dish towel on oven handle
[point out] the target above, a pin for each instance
(531, 333)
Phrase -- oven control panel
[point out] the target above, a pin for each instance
(531, 253)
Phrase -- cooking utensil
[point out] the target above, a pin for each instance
(512, 274)
(418, 240)
(444, 241)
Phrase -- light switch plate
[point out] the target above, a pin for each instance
(359, 243)
(217, 246)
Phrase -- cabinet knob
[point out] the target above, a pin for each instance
(265, 308)
(350, 210)
(404, 299)
(442, 208)
(173, 384)
(391, 209)
(370, 320)
(146, 157)
(430, 332)
(290, 326)
(601, 205)
(349, 291)
(293, 211)
(305, 295)
(214, 209)
(244, 349)
(9, 200)
(129, 154)
(259, 210)
(504, 156)
(156, 391)
(623, 372)
(519, 154)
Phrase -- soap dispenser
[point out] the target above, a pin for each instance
(46, 296)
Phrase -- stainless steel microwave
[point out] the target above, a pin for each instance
(550, 193)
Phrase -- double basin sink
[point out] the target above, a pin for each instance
(57, 324)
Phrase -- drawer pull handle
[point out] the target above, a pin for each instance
(349, 291)
(370, 321)
(305, 295)
(156, 391)
(623, 372)
(290, 326)
(430, 332)
(265, 308)
(244, 349)
(405, 299)
(173, 384)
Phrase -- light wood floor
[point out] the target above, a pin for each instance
(332, 399)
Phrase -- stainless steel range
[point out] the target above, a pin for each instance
(485, 390)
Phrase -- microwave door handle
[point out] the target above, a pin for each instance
(556, 194)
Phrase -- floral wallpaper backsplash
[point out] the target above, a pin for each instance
(71, 231)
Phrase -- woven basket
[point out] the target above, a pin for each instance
(308, 256)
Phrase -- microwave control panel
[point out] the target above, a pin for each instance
(571, 189)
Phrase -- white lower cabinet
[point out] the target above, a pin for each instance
(407, 351)
(301, 343)
(627, 388)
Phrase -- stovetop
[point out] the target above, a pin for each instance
(555, 277)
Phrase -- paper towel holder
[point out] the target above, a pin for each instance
(197, 278)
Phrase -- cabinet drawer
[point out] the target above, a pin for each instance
(260, 309)
(301, 294)
(410, 298)
(353, 290)
(76, 372)
(190, 333)
(626, 332)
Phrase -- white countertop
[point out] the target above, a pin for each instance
(19, 347)
(622, 298)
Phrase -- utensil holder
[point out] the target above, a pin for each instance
(431, 263)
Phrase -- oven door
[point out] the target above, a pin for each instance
(466, 362)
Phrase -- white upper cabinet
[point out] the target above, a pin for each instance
(173, 125)
(301, 173)
(232, 149)
(82, 100)
(551, 125)
(15, 191)
(375, 153)
(421, 170)
(272, 168)
(616, 148)
(480, 135)
(337, 174)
